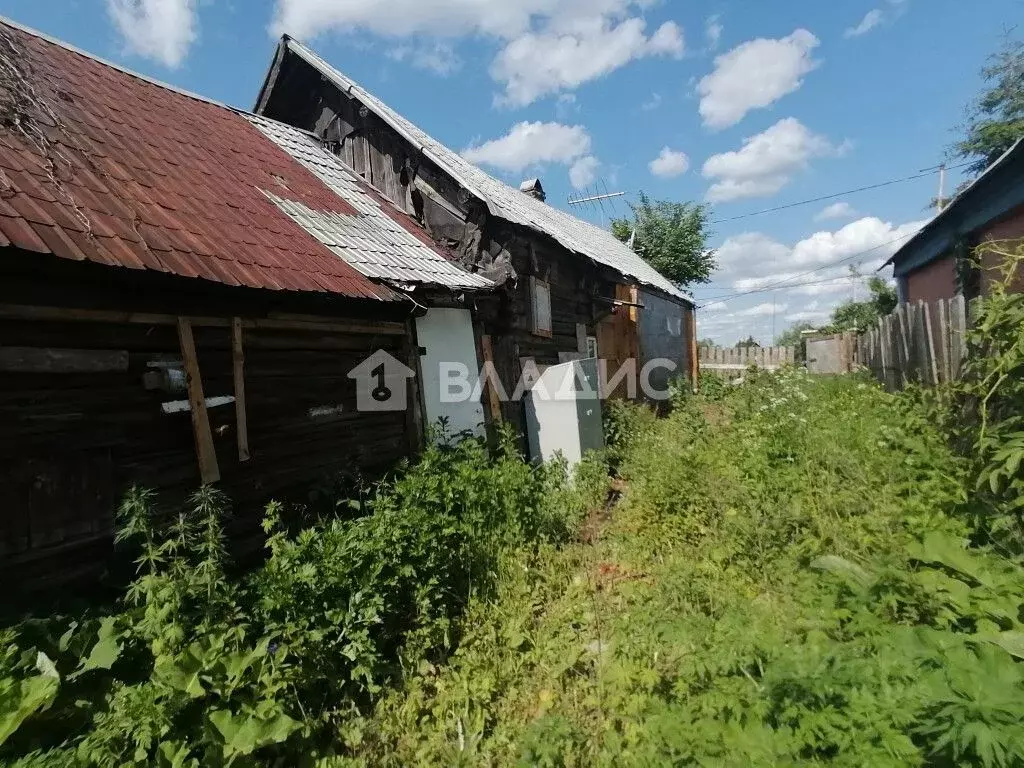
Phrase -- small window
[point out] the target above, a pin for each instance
(540, 293)
(591, 346)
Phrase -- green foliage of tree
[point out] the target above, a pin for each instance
(794, 335)
(748, 343)
(671, 237)
(861, 315)
(707, 342)
(995, 119)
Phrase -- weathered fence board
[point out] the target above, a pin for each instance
(922, 343)
(729, 360)
(831, 353)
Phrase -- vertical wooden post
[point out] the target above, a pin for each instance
(581, 339)
(958, 332)
(883, 345)
(238, 374)
(206, 454)
(691, 332)
(493, 402)
(904, 343)
(934, 367)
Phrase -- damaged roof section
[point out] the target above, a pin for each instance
(100, 164)
(375, 238)
(502, 201)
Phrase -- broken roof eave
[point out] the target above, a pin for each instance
(354, 90)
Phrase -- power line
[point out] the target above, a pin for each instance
(784, 283)
(919, 175)
(820, 281)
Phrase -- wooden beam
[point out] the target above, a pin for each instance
(206, 454)
(493, 401)
(238, 372)
(26, 312)
(691, 335)
(48, 360)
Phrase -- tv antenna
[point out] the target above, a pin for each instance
(595, 200)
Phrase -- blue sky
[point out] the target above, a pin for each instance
(747, 104)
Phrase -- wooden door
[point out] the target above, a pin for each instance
(618, 339)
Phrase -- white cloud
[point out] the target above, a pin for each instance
(754, 75)
(652, 104)
(669, 163)
(399, 18)
(438, 57)
(871, 20)
(162, 30)
(752, 260)
(529, 144)
(806, 280)
(538, 64)
(766, 162)
(836, 211)
(762, 310)
(713, 32)
(584, 171)
(814, 316)
(545, 46)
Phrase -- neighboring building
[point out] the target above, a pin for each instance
(184, 292)
(990, 209)
(571, 288)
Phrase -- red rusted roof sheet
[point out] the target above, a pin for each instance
(103, 165)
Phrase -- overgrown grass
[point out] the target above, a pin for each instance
(787, 580)
(196, 668)
(800, 571)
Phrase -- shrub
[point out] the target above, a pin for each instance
(196, 667)
(990, 399)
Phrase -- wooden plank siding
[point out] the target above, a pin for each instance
(76, 438)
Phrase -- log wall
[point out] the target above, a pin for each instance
(87, 409)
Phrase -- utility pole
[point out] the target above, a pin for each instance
(941, 202)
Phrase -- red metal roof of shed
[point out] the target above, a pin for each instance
(103, 165)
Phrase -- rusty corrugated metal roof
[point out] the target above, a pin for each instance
(100, 164)
(378, 239)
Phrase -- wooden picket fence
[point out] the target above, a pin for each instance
(728, 361)
(924, 343)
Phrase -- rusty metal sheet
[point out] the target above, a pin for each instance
(137, 174)
(374, 236)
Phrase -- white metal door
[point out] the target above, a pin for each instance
(450, 370)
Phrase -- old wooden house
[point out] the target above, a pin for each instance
(570, 288)
(185, 290)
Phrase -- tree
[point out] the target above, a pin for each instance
(793, 336)
(706, 342)
(671, 237)
(995, 119)
(747, 343)
(864, 314)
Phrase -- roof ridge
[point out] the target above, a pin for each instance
(5, 21)
(573, 233)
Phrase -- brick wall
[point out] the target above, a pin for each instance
(935, 280)
(1009, 228)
